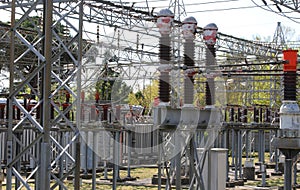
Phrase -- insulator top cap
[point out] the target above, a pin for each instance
(210, 34)
(165, 12)
(189, 26)
(165, 21)
(292, 57)
(211, 26)
(190, 20)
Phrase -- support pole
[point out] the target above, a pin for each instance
(45, 146)
(159, 163)
(240, 153)
(61, 160)
(77, 167)
(116, 155)
(177, 162)
(94, 164)
(78, 101)
(129, 153)
(236, 146)
(9, 143)
(288, 165)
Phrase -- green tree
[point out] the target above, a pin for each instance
(109, 86)
(145, 97)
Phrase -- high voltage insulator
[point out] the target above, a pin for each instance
(189, 50)
(209, 91)
(165, 49)
(164, 87)
(210, 37)
(164, 23)
(165, 57)
(189, 30)
(290, 75)
(210, 85)
(289, 87)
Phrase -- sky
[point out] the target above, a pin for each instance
(239, 18)
(244, 22)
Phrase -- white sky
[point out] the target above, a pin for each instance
(239, 18)
(246, 22)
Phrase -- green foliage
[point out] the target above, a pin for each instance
(145, 97)
(200, 90)
(108, 86)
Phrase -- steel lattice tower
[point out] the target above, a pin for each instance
(49, 75)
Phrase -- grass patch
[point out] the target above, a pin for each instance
(140, 173)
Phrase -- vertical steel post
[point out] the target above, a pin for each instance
(116, 159)
(240, 153)
(160, 160)
(209, 168)
(9, 144)
(226, 145)
(78, 100)
(177, 162)
(94, 164)
(45, 146)
(129, 153)
(61, 160)
(192, 159)
(247, 144)
(236, 147)
(276, 155)
(114, 180)
(288, 165)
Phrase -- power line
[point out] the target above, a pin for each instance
(271, 10)
(223, 9)
(211, 2)
(153, 1)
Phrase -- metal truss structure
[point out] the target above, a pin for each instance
(293, 5)
(47, 62)
(45, 71)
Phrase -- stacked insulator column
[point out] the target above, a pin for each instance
(210, 84)
(210, 36)
(189, 31)
(289, 138)
(290, 75)
(164, 23)
(289, 88)
(164, 78)
(189, 50)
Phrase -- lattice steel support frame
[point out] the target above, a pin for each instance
(48, 56)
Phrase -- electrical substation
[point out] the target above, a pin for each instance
(224, 113)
